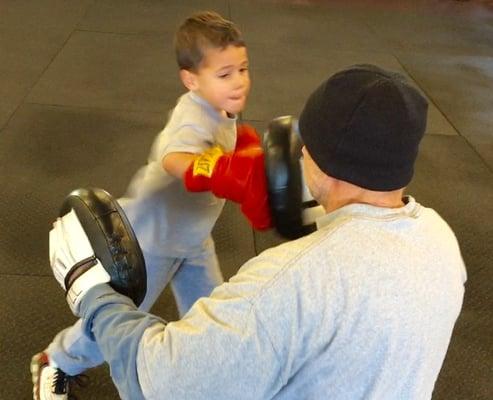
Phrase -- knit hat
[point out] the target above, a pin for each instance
(363, 125)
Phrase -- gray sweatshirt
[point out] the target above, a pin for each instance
(363, 308)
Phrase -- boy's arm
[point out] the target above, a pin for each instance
(176, 164)
(238, 176)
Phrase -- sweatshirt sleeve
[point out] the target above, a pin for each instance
(114, 322)
(219, 350)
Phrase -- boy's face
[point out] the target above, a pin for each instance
(222, 78)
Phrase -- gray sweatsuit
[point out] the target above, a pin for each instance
(363, 308)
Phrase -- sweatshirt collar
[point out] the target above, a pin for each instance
(410, 209)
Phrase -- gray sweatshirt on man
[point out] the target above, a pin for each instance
(363, 308)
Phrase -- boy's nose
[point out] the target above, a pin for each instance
(241, 81)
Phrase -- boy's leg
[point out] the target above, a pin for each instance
(73, 352)
(196, 278)
(160, 271)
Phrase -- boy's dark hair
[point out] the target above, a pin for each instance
(203, 30)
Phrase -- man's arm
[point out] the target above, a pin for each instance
(218, 350)
(117, 326)
(221, 349)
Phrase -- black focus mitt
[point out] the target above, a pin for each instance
(92, 242)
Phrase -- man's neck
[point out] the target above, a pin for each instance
(344, 193)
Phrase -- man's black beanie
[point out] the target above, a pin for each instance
(363, 125)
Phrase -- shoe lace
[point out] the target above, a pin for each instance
(63, 383)
(60, 382)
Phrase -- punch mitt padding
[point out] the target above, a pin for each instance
(112, 239)
(282, 152)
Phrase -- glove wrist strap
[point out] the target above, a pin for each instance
(78, 269)
(205, 163)
(93, 275)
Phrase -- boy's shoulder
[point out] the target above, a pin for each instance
(190, 101)
(191, 111)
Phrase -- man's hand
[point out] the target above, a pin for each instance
(73, 261)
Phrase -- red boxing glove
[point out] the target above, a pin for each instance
(246, 136)
(238, 176)
(256, 203)
(198, 175)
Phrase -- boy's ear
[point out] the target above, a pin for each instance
(189, 79)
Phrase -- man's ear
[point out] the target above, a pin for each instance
(189, 79)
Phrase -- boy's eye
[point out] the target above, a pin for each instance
(223, 76)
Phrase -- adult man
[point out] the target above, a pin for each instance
(363, 308)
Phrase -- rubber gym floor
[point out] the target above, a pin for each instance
(85, 86)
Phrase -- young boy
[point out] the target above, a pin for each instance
(171, 202)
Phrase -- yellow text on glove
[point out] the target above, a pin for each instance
(205, 163)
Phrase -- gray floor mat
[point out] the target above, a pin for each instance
(86, 85)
